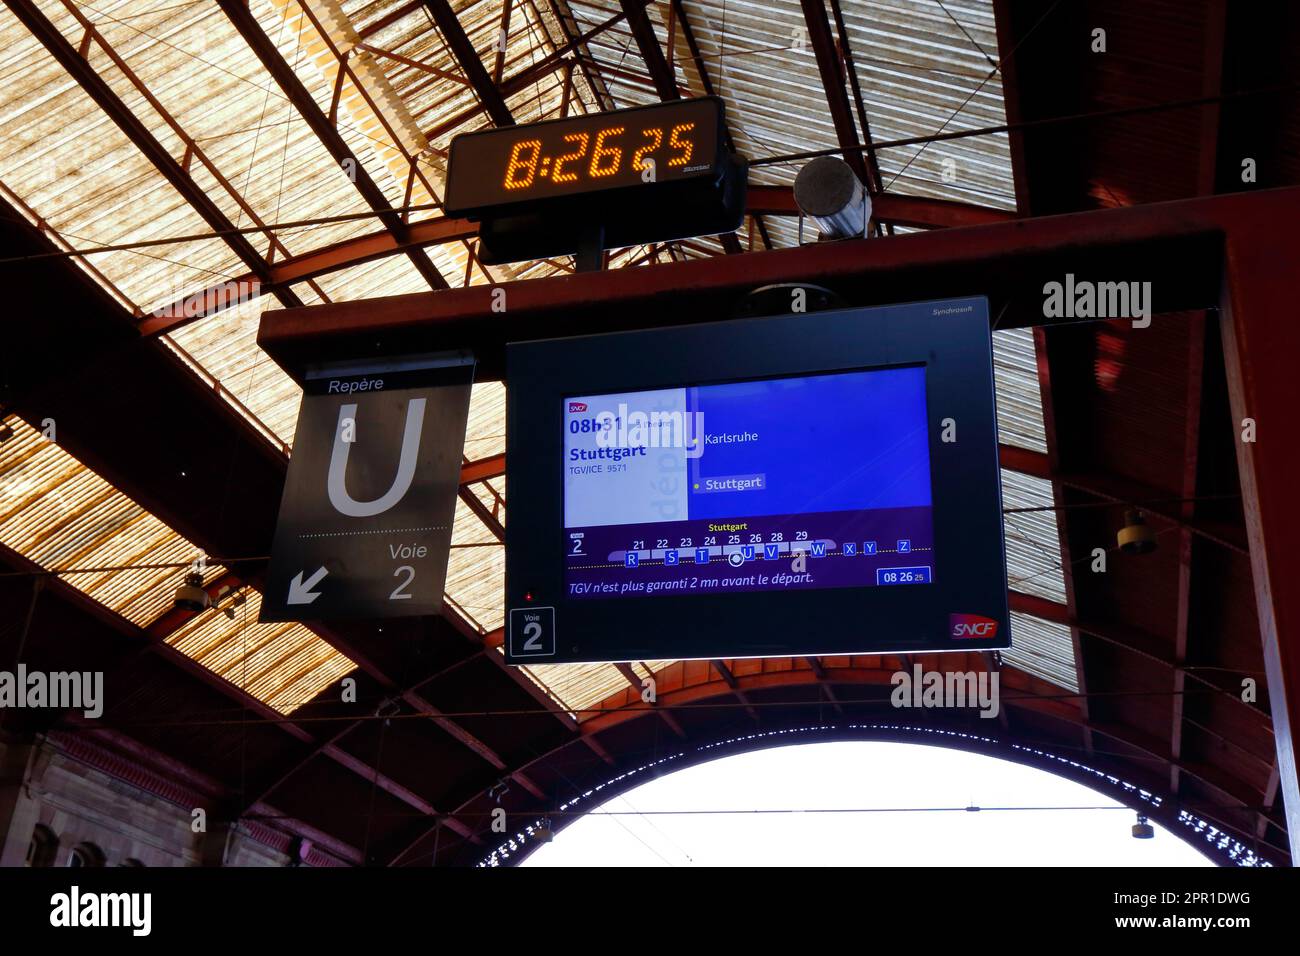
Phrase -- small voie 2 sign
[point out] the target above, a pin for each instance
(364, 528)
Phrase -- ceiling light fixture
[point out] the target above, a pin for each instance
(191, 596)
(1136, 537)
(828, 191)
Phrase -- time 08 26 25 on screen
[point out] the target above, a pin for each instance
(583, 154)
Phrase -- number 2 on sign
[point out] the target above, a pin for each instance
(533, 635)
(399, 592)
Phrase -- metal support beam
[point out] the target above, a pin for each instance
(455, 730)
(1186, 539)
(174, 171)
(875, 182)
(725, 673)
(563, 57)
(918, 211)
(1259, 346)
(627, 672)
(832, 75)
(661, 74)
(246, 23)
(1181, 243)
(483, 514)
(1047, 396)
(472, 472)
(503, 40)
(823, 678)
(1147, 752)
(469, 61)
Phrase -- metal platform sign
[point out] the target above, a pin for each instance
(364, 529)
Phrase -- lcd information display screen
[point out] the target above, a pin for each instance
(786, 486)
(791, 483)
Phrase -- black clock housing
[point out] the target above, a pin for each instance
(647, 174)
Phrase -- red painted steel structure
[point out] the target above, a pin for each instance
(1260, 340)
(1220, 252)
(1180, 245)
(916, 211)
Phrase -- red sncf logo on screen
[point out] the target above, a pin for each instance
(577, 406)
(971, 625)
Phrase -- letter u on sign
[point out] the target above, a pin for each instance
(343, 502)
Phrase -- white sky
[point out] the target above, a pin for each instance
(859, 775)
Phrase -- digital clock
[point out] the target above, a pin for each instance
(579, 154)
(645, 174)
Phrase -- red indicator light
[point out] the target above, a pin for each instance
(528, 595)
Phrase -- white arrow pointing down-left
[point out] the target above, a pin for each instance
(300, 591)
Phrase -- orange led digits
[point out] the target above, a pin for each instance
(557, 174)
(597, 169)
(639, 155)
(676, 143)
(516, 163)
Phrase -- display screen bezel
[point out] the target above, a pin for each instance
(950, 337)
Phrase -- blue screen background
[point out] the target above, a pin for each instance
(836, 442)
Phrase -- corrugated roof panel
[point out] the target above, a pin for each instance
(283, 665)
(485, 432)
(578, 686)
(225, 345)
(476, 570)
(394, 275)
(71, 163)
(1033, 541)
(144, 600)
(921, 73)
(1042, 648)
(758, 58)
(1020, 400)
(60, 514)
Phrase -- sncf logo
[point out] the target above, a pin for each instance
(971, 625)
(577, 406)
